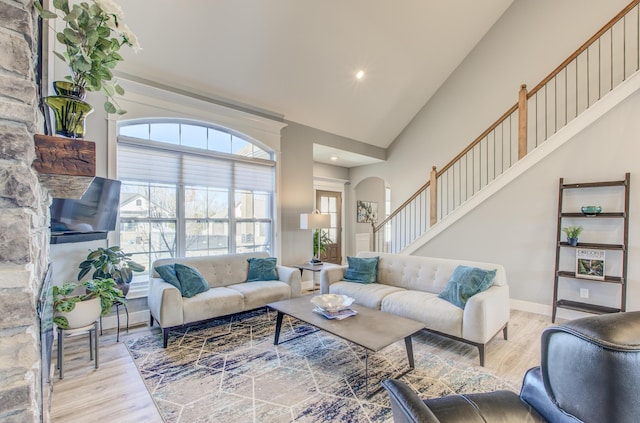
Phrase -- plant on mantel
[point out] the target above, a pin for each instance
(92, 36)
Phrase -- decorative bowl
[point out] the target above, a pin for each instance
(332, 302)
(591, 210)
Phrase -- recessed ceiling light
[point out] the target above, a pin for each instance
(360, 74)
(334, 158)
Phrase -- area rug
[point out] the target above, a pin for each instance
(228, 370)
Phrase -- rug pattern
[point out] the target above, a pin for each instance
(228, 370)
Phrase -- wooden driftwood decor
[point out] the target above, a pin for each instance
(64, 156)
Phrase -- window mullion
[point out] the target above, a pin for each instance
(181, 226)
(232, 217)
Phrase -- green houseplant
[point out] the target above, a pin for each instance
(572, 234)
(320, 241)
(112, 263)
(92, 36)
(98, 298)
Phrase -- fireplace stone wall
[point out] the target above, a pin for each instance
(24, 218)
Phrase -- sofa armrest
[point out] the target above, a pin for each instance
(291, 277)
(330, 275)
(485, 314)
(165, 303)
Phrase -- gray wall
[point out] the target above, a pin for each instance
(525, 45)
(516, 227)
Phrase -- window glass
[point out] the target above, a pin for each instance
(218, 203)
(261, 205)
(193, 136)
(195, 202)
(241, 147)
(166, 132)
(259, 153)
(162, 201)
(219, 141)
(136, 131)
(185, 209)
(244, 204)
(134, 200)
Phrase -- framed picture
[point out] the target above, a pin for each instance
(590, 263)
(367, 212)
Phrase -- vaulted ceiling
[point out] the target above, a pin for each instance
(298, 59)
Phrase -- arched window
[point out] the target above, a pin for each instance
(191, 189)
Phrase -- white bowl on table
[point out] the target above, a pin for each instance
(332, 302)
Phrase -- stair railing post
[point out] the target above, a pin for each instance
(522, 121)
(373, 237)
(433, 199)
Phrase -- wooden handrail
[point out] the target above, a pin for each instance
(403, 205)
(583, 47)
(520, 106)
(480, 138)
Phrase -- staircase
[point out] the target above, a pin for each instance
(596, 77)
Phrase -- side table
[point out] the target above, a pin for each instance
(311, 267)
(117, 305)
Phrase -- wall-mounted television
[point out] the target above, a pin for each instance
(88, 218)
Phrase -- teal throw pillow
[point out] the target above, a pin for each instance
(466, 282)
(262, 269)
(362, 270)
(191, 281)
(168, 273)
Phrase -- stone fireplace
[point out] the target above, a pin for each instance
(24, 216)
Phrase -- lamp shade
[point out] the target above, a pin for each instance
(314, 220)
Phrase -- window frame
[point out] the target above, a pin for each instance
(181, 188)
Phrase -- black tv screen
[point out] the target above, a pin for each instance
(95, 212)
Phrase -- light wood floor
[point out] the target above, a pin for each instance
(115, 391)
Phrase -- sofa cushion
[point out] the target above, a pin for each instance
(262, 269)
(363, 270)
(168, 273)
(212, 303)
(465, 282)
(368, 295)
(436, 314)
(191, 281)
(259, 293)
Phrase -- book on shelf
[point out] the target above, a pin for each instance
(590, 263)
(338, 315)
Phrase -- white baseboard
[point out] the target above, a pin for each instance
(135, 318)
(546, 310)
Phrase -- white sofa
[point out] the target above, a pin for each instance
(229, 291)
(408, 286)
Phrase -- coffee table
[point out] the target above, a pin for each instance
(371, 329)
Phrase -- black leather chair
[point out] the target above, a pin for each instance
(589, 372)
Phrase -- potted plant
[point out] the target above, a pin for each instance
(92, 36)
(572, 234)
(75, 310)
(320, 241)
(111, 263)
